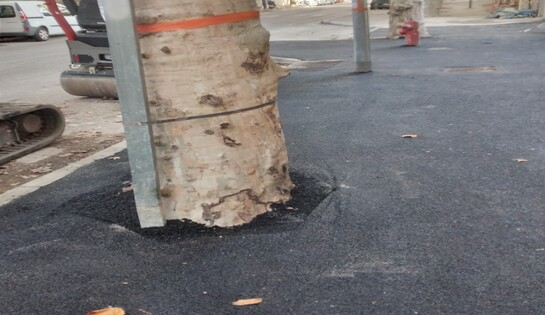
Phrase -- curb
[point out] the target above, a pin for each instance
(54, 176)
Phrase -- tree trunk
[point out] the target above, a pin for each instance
(212, 89)
(402, 11)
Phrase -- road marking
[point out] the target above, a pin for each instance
(54, 176)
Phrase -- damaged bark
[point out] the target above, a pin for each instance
(212, 100)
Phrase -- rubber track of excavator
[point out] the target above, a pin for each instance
(51, 127)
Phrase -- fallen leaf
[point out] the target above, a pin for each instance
(41, 170)
(521, 160)
(114, 158)
(127, 189)
(246, 302)
(409, 136)
(108, 311)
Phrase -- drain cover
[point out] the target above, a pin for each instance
(470, 69)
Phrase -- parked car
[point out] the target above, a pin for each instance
(314, 2)
(380, 4)
(31, 19)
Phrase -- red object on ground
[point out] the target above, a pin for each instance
(67, 29)
(409, 29)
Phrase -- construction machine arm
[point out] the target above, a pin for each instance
(59, 17)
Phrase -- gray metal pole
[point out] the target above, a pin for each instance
(362, 38)
(131, 88)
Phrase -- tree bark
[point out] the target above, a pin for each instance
(212, 91)
(400, 11)
(403, 11)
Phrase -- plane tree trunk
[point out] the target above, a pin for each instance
(404, 10)
(212, 90)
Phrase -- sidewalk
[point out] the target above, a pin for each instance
(339, 26)
(445, 223)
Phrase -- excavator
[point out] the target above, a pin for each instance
(26, 128)
(91, 71)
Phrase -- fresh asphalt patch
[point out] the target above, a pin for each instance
(118, 207)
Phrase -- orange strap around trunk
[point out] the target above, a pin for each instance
(197, 23)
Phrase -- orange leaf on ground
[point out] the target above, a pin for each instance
(246, 302)
(409, 136)
(108, 311)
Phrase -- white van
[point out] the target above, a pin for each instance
(32, 19)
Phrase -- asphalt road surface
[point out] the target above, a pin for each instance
(445, 223)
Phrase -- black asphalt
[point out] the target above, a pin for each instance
(446, 223)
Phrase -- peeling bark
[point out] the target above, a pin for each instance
(219, 143)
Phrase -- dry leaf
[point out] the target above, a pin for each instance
(41, 170)
(114, 158)
(246, 302)
(127, 189)
(108, 311)
(409, 136)
(521, 160)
